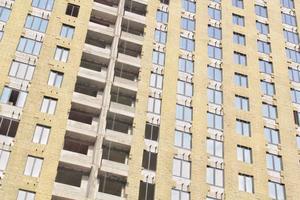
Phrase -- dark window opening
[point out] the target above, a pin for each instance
(149, 160)
(151, 132)
(72, 10)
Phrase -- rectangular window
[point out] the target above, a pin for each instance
(276, 190)
(41, 134)
(184, 113)
(215, 176)
(239, 38)
(238, 20)
(61, 54)
(215, 121)
(8, 127)
(214, 147)
(48, 105)
(265, 66)
(67, 31)
(154, 105)
(186, 65)
(183, 139)
(146, 191)
(261, 11)
(43, 4)
(274, 162)
(29, 46)
(267, 88)
(156, 80)
(215, 96)
(160, 36)
(289, 19)
(4, 14)
(214, 13)
(246, 183)
(293, 55)
(214, 32)
(294, 75)
(238, 3)
(241, 80)
(33, 166)
(179, 195)
(291, 37)
(72, 10)
(269, 111)
(151, 131)
(262, 28)
(181, 168)
(36, 23)
(149, 160)
(239, 58)
(162, 17)
(243, 127)
(263, 47)
(244, 154)
(21, 70)
(25, 195)
(298, 141)
(214, 73)
(187, 24)
(1, 34)
(184, 88)
(214, 52)
(55, 79)
(287, 4)
(296, 117)
(295, 96)
(272, 135)
(242, 103)
(187, 44)
(158, 58)
(13, 97)
(189, 6)
(4, 157)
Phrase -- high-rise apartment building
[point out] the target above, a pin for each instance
(149, 100)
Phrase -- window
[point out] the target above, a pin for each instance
(243, 127)
(48, 105)
(181, 168)
(72, 10)
(215, 121)
(215, 176)
(160, 36)
(215, 96)
(184, 113)
(1, 34)
(214, 52)
(4, 14)
(267, 88)
(149, 160)
(239, 38)
(269, 111)
(25, 195)
(151, 131)
(261, 11)
(187, 44)
(238, 3)
(21, 70)
(241, 80)
(162, 16)
(274, 162)
(289, 19)
(61, 54)
(297, 117)
(293, 55)
(41, 134)
(33, 166)
(239, 58)
(214, 32)
(55, 79)
(276, 190)
(187, 24)
(214, 13)
(186, 65)
(214, 73)
(29, 46)
(295, 96)
(242, 103)
(262, 28)
(8, 127)
(43, 4)
(272, 135)
(67, 31)
(183, 139)
(165, 2)
(238, 20)
(294, 75)
(4, 156)
(147, 191)
(287, 3)
(156, 80)
(291, 37)
(244, 154)
(214, 147)
(246, 183)
(154, 105)
(158, 58)
(263, 47)
(189, 6)
(265, 66)
(180, 195)
(298, 141)
(13, 97)
(36, 23)
(184, 88)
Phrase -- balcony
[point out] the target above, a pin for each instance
(111, 3)
(65, 191)
(104, 9)
(114, 167)
(96, 52)
(122, 109)
(81, 131)
(125, 83)
(111, 187)
(133, 38)
(87, 103)
(136, 7)
(129, 60)
(98, 27)
(75, 160)
(119, 123)
(118, 137)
